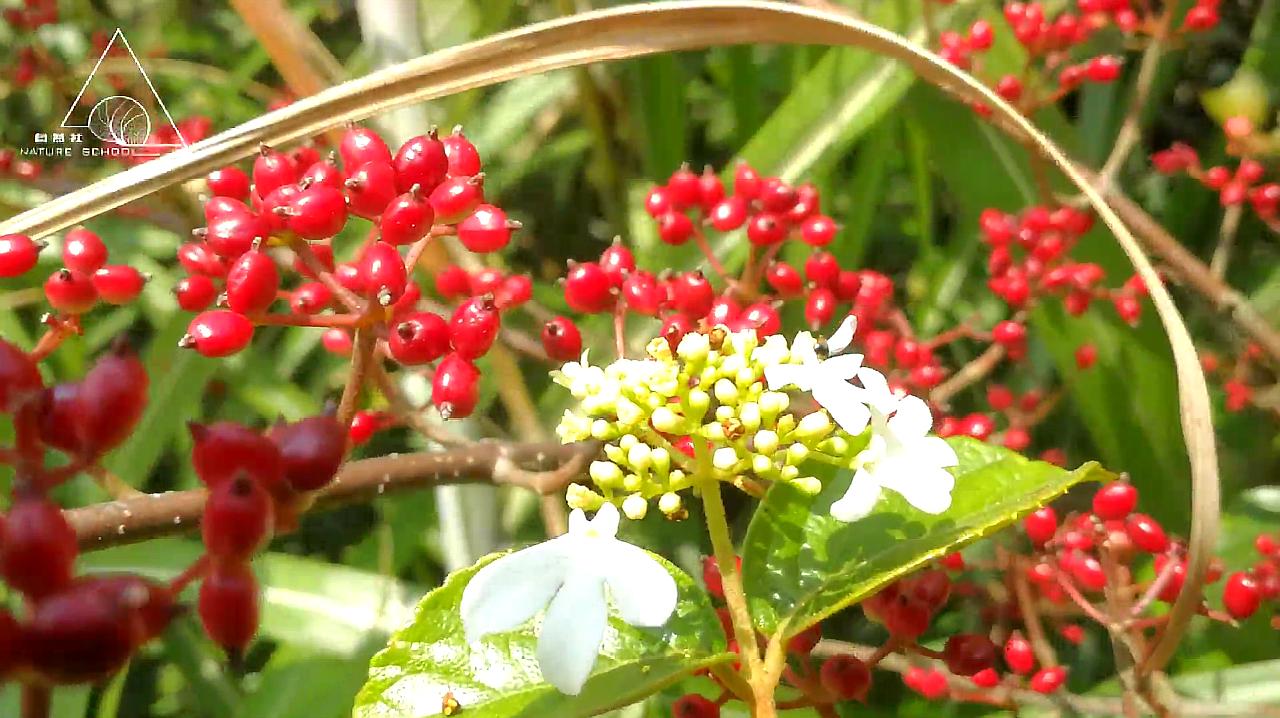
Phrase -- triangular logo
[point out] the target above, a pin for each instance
(126, 120)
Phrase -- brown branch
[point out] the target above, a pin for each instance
(967, 375)
(533, 465)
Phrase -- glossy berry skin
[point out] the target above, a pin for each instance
(474, 326)
(219, 333)
(762, 317)
(39, 550)
(822, 269)
(19, 378)
(252, 283)
(311, 450)
(223, 450)
(58, 414)
(587, 289)
(675, 228)
(70, 291)
(1008, 333)
(382, 273)
(711, 575)
(1115, 501)
(406, 219)
(419, 338)
(968, 653)
(195, 293)
(118, 283)
(1018, 655)
(337, 341)
(765, 228)
(228, 182)
(784, 279)
(453, 282)
(83, 251)
(18, 254)
(318, 212)
(360, 145)
(694, 706)
(561, 339)
(617, 262)
(370, 188)
(363, 426)
(110, 402)
(421, 161)
(238, 518)
(728, 214)
(457, 197)
(818, 230)
(455, 389)
(464, 158)
(820, 307)
(271, 170)
(228, 606)
(1041, 525)
(82, 634)
(485, 230)
(1048, 680)
(232, 235)
(846, 677)
(310, 298)
(692, 294)
(1241, 595)
(200, 260)
(642, 293)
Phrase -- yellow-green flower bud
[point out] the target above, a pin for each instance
(786, 424)
(629, 413)
(749, 415)
(773, 403)
(761, 464)
(603, 430)
(635, 507)
(627, 441)
(581, 497)
(725, 458)
(797, 453)
(670, 503)
(834, 445)
(615, 453)
(694, 347)
(639, 457)
(665, 420)
(713, 432)
(605, 473)
(726, 391)
(661, 460)
(789, 473)
(766, 442)
(699, 402)
(632, 482)
(745, 376)
(725, 413)
(808, 485)
(659, 348)
(814, 426)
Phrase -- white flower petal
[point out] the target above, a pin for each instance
(843, 401)
(878, 395)
(912, 420)
(804, 348)
(509, 591)
(928, 488)
(859, 499)
(843, 336)
(605, 523)
(572, 632)
(641, 588)
(840, 368)
(935, 451)
(779, 376)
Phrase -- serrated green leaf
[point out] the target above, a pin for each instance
(430, 658)
(800, 565)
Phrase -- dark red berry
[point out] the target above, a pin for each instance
(228, 606)
(693, 705)
(407, 219)
(969, 653)
(931, 588)
(58, 413)
(419, 338)
(238, 517)
(382, 273)
(587, 288)
(803, 643)
(360, 145)
(561, 339)
(487, 229)
(110, 402)
(83, 251)
(228, 182)
(456, 387)
(846, 677)
(84, 634)
(421, 161)
(1115, 501)
(18, 254)
(223, 450)
(19, 378)
(39, 550)
(70, 291)
(11, 648)
(311, 450)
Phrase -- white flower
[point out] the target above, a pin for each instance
(901, 457)
(568, 576)
(828, 380)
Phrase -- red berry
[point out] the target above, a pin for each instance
(723, 311)
(710, 188)
(931, 588)
(694, 706)
(675, 227)
(323, 174)
(456, 387)
(1048, 680)
(642, 293)
(224, 450)
(674, 327)
(906, 617)
(456, 197)
(784, 279)
(70, 291)
(1016, 438)
(464, 158)
(846, 677)
(39, 550)
(1104, 68)
(712, 578)
(728, 214)
(1241, 596)
(474, 326)
(252, 283)
(1008, 333)
(232, 235)
(238, 518)
(587, 288)
(486, 280)
(228, 182)
(1018, 655)
(360, 145)
(1128, 307)
(382, 273)
(684, 188)
(692, 294)
(419, 338)
(776, 195)
(310, 298)
(746, 181)
(1041, 525)
(406, 219)
(363, 426)
(271, 170)
(820, 307)
(453, 282)
(1073, 633)
(979, 426)
(58, 414)
(561, 339)
(932, 683)
(195, 293)
(968, 653)
(317, 212)
(1201, 17)
(83, 251)
(228, 606)
(658, 201)
(818, 230)
(311, 451)
(337, 341)
(822, 269)
(370, 188)
(803, 643)
(764, 228)
(19, 378)
(18, 254)
(999, 397)
(487, 229)
(110, 401)
(118, 283)
(1115, 501)
(987, 678)
(1265, 545)
(421, 161)
(1088, 572)
(1086, 356)
(85, 633)
(617, 262)
(199, 259)
(1146, 533)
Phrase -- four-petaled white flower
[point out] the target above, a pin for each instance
(901, 457)
(829, 379)
(568, 575)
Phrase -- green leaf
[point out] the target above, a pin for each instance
(800, 565)
(430, 658)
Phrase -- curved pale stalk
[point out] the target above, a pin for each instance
(634, 31)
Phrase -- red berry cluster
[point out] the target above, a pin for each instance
(1242, 186)
(430, 187)
(258, 484)
(1240, 377)
(19, 168)
(29, 60)
(75, 629)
